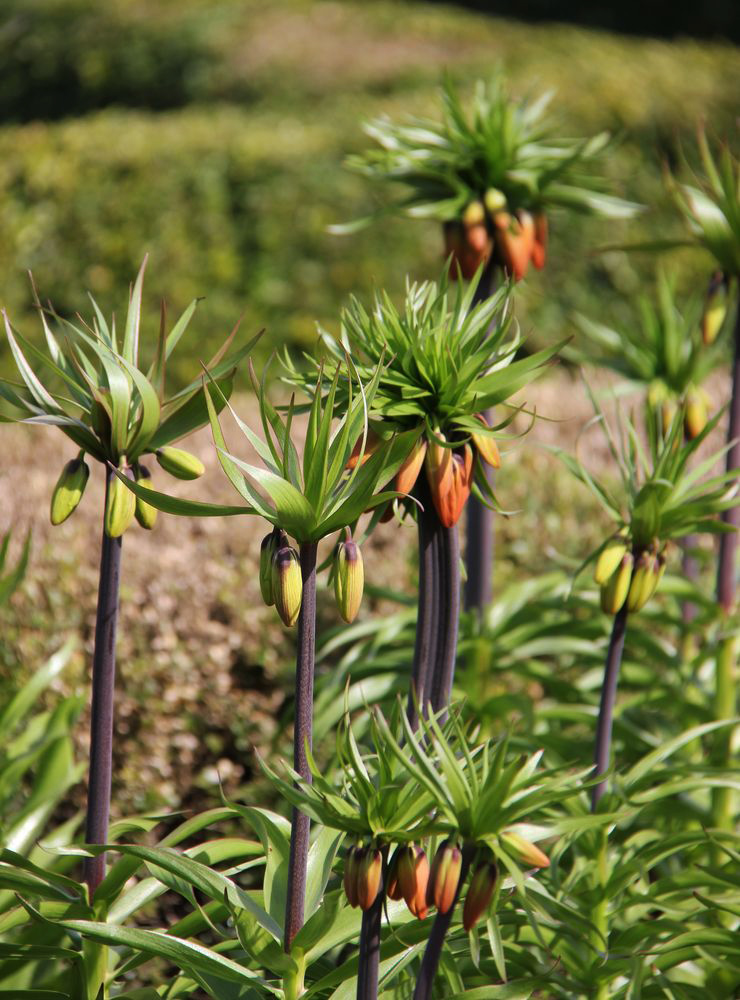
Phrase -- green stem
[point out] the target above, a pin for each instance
(302, 738)
(724, 708)
(600, 914)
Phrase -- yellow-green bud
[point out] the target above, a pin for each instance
(614, 591)
(609, 558)
(287, 584)
(146, 515)
(524, 850)
(495, 200)
(715, 308)
(277, 539)
(643, 583)
(349, 579)
(69, 489)
(696, 416)
(120, 506)
(180, 463)
(474, 214)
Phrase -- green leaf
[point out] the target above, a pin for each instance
(174, 505)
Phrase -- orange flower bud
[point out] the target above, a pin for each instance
(352, 861)
(372, 443)
(539, 248)
(515, 240)
(454, 486)
(408, 473)
(444, 876)
(413, 876)
(480, 894)
(393, 888)
(369, 873)
(486, 446)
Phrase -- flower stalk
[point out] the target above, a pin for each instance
(428, 603)
(433, 950)
(602, 750)
(103, 685)
(479, 546)
(302, 739)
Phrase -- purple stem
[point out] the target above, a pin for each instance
(101, 716)
(728, 542)
(428, 604)
(367, 977)
(479, 547)
(602, 751)
(449, 616)
(435, 943)
(302, 737)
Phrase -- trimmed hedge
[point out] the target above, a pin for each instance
(232, 202)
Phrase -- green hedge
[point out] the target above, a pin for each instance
(232, 202)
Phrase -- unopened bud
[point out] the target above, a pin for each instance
(146, 515)
(495, 201)
(349, 579)
(287, 584)
(444, 877)
(609, 558)
(455, 484)
(525, 851)
(715, 308)
(480, 894)
(614, 591)
(120, 505)
(180, 463)
(474, 214)
(539, 247)
(270, 544)
(69, 489)
(369, 877)
(413, 877)
(352, 861)
(393, 889)
(695, 417)
(372, 443)
(486, 446)
(409, 472)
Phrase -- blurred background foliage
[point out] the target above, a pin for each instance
(212, 135)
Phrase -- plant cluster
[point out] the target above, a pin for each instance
(549, 875)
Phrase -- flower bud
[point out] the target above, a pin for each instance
(455, 479)
(69, 489)
(641, 585)
(609, 558)
(369, 876)
(180, 463)
(393, 888)
(524, 851)
(480, 894)
(352, 861)
(474, 214)
(668, 413)
(120, 505)
(287, 584)
(515, 241)
(409, 472)
(495, 201)
(539, 247)
(614, 591)
(349, 579)
(695, 417)
(277, 539)
(444, 877)
(715, 308)
(372, 443)
(413, 877)
(486, 446)
(146, 515)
